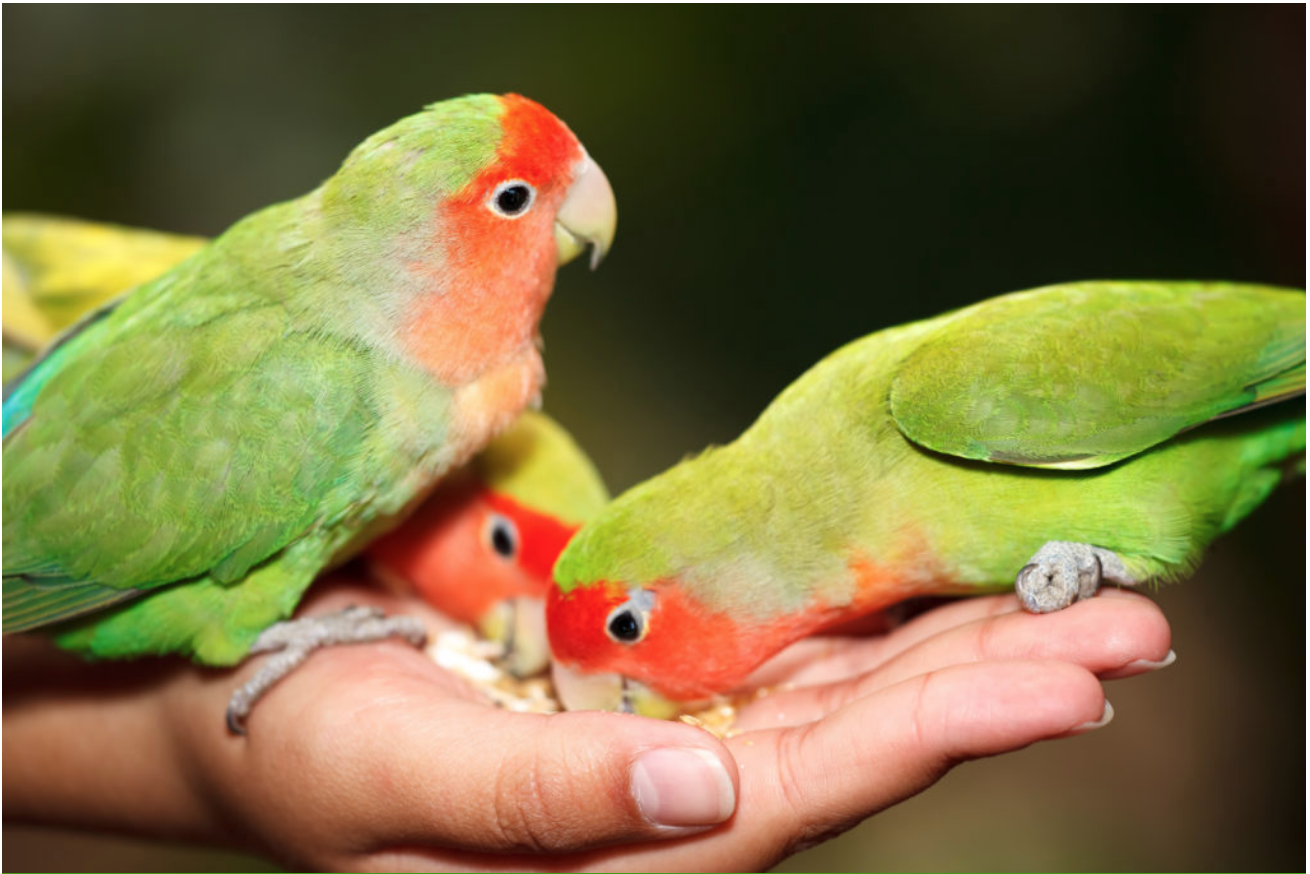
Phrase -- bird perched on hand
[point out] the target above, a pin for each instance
(1049, 439)
(182, 463)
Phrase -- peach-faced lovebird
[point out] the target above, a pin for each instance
(180, 465)
(1081, 432)
(482, 547)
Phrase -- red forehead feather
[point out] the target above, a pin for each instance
(534, 144)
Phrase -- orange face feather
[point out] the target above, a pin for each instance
(690, 652)
(498, 271)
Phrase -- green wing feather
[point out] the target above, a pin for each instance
(1083, 375)
(68, 266)
(120, 482)
(30, 605)
(58, 269)
(203, 496)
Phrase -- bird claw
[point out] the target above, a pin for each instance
(296, 639)
(1062, 572)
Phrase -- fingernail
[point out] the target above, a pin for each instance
(1106, 715)
(682, 787)
(1148, 665)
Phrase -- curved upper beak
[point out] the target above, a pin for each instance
(587, 216)
(578, 691)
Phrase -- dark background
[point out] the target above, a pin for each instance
(789, 179)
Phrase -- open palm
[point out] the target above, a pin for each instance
(373, 757)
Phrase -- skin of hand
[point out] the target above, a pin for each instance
(372, 757)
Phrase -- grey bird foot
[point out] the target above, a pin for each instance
(1062, 572)
(295, 640)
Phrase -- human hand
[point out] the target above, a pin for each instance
(372, 757)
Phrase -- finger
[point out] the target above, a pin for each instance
(394, 760)
(817, 780)
(954, 614)
(1108, 636)
(1099, 634)
(825, 658)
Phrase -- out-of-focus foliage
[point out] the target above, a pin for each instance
(789, 179)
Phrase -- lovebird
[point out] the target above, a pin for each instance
(1048, 439)
(181, 464)
(482, 547)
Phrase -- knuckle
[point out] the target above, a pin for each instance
(526, 814)
(793, 773)
(833, 696)
(988, 638)
(809, 822)
(918, 729)
(933, 727)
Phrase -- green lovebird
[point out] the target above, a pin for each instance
(482, 547)
(1048, 439)
(181, 464)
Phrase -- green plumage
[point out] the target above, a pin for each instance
(56, 269)
(539, 464)
(1096, 373)
(881, 463)
(236, 424)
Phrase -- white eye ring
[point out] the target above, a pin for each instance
(628, 623)
(502, 536)
(512, 199)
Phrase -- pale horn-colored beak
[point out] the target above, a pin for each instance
(579, 691)
(587, 216)
(519, 624)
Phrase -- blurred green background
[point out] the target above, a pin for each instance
(789, 179)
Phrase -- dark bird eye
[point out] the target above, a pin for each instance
(503, 536)
(512, 199)
(629, 622)
(625, 627)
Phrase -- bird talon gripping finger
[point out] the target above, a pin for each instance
(293, 642)
(1062, 572)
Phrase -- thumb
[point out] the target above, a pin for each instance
(494, 781)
